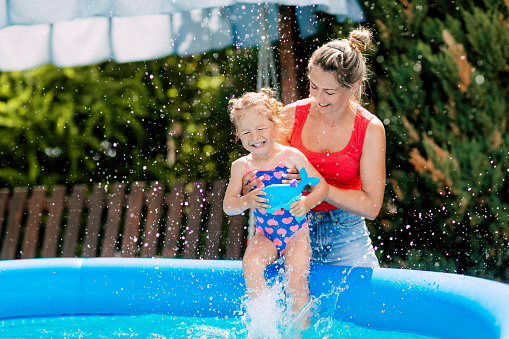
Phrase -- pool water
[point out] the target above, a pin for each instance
(270, 315)
(166, 326)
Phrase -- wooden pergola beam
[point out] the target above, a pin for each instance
(288, 62)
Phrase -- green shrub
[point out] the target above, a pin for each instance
(442, 89)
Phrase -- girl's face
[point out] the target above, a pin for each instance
(256, 132)
(328, 93)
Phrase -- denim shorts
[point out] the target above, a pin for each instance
(340, 238)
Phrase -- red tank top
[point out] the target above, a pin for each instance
(340, 169)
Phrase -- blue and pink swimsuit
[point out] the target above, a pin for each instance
(279, 226)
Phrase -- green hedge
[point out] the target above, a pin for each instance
(441, 87)
(160, 120)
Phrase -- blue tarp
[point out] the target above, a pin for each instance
(78, 32)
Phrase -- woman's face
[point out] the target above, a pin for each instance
(328, 93)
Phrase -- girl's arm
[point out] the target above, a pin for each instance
(368, 201)
(234, 202)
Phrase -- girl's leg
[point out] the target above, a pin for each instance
(259, 254)
(297, 257)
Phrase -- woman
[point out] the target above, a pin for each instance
(346, 144)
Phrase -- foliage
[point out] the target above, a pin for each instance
(442, 90)
(159, 120)
(440, 85)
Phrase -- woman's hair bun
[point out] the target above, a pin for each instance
(361, 37)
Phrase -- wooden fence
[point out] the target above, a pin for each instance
(138, 220)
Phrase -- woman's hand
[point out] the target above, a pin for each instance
(248, 186)
(291, 173)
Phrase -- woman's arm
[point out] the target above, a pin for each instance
(234, 203)
(285, 136)
(318, 191)
(286, 128)
(368, 201)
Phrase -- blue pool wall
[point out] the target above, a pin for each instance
(428, 303)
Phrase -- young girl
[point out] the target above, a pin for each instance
(256, 117)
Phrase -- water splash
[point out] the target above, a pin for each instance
(322, 316)
(271, 314)
(264, 316)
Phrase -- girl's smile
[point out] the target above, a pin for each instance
(256, 132)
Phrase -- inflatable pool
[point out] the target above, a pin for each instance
(434, 304)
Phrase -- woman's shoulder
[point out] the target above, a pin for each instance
(375, 129)
(289, 116)
(364, 113)
(299, 103)
(290, 110)
(368, 118)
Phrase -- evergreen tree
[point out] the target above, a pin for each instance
(442, 89)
